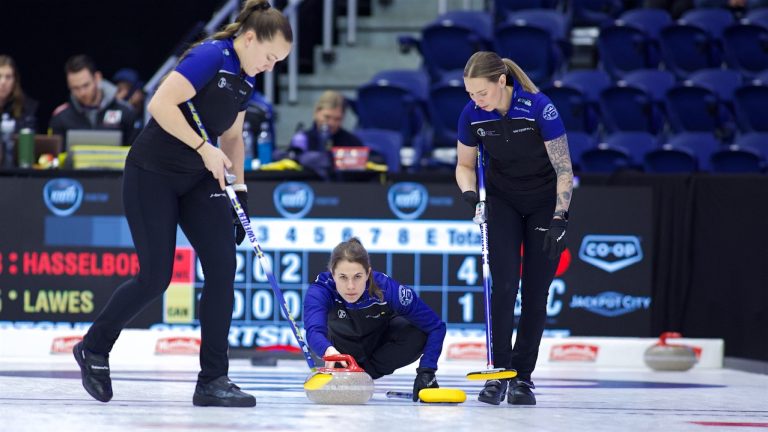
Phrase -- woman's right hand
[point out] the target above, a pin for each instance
(216, 162)
(331, 351)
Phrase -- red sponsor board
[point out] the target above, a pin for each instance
(183, 265)
(466, 351)
(573, 353)
(178, 345)
(64, 344)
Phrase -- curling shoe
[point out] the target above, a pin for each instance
(221, 392)
(493, 392)
(520, 392)
(94, 370)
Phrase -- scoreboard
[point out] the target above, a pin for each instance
(60, 263)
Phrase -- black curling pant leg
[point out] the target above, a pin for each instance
(403, 344)
(538, 272)
(206, 219)
(505, 234)
(150, 203)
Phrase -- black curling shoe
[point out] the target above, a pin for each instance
(94, 370)
(494, 391)
(221, 392)
(520, 392)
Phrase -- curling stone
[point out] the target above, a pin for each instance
(663, 356)
(348, 386)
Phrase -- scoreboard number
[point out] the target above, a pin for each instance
(468, 271)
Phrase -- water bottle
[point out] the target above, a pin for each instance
(299, 140)
(248, 140)
(7, 126)
(264, 144)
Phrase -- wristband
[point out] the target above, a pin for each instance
(201, 145)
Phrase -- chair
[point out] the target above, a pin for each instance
(533, 48)
(555, 22)
(758, 16)
(670, 159)
(692, 108)
(591, 82)
(624, 48)
(751, 105)
(650, 20)
(384, 142)
(605, 159)
(746, 48)
(655, 82)
(687, 48)
(722, 82)
(702, 145)
(629, 108)
(574, 108)
(502, 9)
(735, 159)
(595, 12)
(578, 143)
(637, 144)
(713, 20)
(447, 99)
(755, 140)
(402, 96)
(447, 42)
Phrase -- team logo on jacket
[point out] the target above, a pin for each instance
(550, 112)
(480, 132)
(524, 101)
(222, 82)
(406, 295)
(341, 314)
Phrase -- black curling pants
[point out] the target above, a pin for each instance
(154, 204)
(513, 222)
(399, 345)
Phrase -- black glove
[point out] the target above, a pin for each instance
(242, 196)
(425, 378)
(471, 198)
(554, 239)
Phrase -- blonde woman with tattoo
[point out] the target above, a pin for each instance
(528, 179)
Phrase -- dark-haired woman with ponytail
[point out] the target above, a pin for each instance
(528, 179)
(352, 309)
(174, 176)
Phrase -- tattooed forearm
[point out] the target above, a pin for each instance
(560, 158)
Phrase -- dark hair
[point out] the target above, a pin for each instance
(17, 94)
(353, 251)
(258, 16)
(76, 63)
(488, 64)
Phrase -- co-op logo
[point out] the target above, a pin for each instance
(293, 200)
(63, 196)
(610, 303)
(611, 252)
(407, 200)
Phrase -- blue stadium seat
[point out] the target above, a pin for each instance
(757, 16)
(578, 143)
(623, 48)
(650, 20)
(687, 48)
(533, 48)
(654, 81)
(605, 158)
(722, 82)
(751, 104)
(574, 108)
(402, 96)
(746, 48)
(447, 99)
(735, 159)
(702, 145)
(755, 140)
(714, 20)
(670, 159)
(636, 143)
(384, 142)
(503, 8)
(591, 82)
(692, 108)
(595, 12)
(629, 108)
(448, 41)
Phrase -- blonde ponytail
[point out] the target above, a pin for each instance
(520, 75)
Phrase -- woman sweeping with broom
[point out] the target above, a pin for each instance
(382, 324)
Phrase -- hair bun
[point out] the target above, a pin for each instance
(262, 6)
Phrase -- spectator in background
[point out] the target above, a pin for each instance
(13, 101)
(93, 103)
(130, 89)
